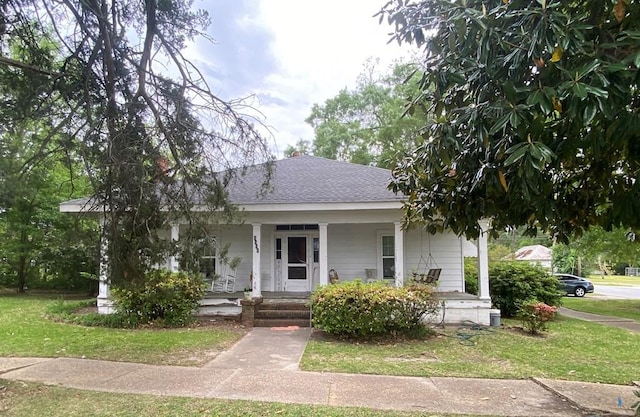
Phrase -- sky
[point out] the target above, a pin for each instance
(286, 55)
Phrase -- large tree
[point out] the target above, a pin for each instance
(536, 109)
(122, 96)
(367, 125)
(40, 246)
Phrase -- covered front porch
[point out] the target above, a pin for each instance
(290, 260)
(456, 307)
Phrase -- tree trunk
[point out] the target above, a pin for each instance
(22, 273)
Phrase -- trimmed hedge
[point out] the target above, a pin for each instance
(362, 311)
(512, 284)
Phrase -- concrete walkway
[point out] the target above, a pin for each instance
(263, 366)
(622, 323)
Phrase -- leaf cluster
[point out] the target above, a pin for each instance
(369, 124)
(536, 112)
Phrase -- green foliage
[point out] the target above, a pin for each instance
(368, 125)
(67, 312)
(597, 250)
(499, 252)
(162, 297)
(138, 117)
(536, 316)
(471, 276)
(536, 114)
(512, 284)
(41, 247)
(636, 406)
(362, 311)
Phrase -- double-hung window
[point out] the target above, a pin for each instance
(388, 253)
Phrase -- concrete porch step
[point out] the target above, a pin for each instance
(282, 314)
(281, 322)
(283, 305)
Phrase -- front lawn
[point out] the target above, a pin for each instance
(622, 280)
(19, 399)
(627, 309)
(25, 331)
(572, 350)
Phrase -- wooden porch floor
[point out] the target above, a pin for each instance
(267, 295)
(281, 295)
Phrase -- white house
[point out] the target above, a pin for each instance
(323, 215)
(535, 254)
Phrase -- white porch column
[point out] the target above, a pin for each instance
(324, 258)
(175, 235)
(256, 290)
(483, 260)
(399, 254)
(103, 302)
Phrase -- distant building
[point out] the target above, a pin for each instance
(536, 254)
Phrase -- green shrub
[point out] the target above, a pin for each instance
(164, 298)
(512, 284)
(362, 311)
(471, 276)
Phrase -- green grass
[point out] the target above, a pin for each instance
(25, 331)
(628, 309)
(18, 399)
(572, 350)
(620, 280)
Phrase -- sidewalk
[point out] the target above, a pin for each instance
(622, 323)
(263, 366)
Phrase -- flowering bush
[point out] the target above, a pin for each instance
(535, 316)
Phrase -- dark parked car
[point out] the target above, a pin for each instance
(573, 284)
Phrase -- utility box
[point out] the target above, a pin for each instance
(494, 318)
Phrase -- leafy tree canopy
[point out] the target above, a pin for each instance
(111, 83)
(366, 125)
(536, 114)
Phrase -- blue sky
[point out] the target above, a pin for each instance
(287, 55)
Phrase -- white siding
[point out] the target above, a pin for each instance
(239, 238)
(446, 250)
(352, 248)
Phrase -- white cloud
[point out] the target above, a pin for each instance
(292, 54)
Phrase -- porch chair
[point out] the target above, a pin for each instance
(230, 281)
(219, 283)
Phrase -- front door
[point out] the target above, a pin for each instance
(297, 264)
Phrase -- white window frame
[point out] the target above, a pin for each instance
(379, 253)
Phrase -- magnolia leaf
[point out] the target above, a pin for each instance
(557, 54)
(619, 10)
(500, 123)
(503, 181)
(516, 153)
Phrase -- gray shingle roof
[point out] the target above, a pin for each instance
(309, 179)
